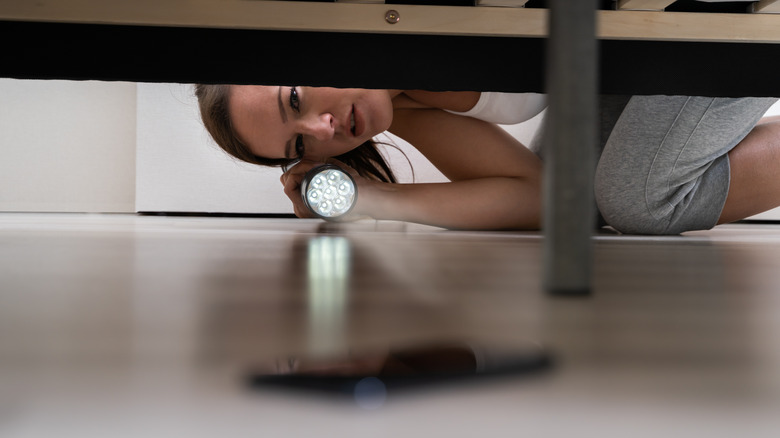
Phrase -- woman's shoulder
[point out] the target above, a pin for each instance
(506, 108)
(494, 107)
(446, 100)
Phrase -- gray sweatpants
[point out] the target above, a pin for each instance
(664, 167)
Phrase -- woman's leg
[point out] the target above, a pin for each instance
(755, 174)
(665, 168)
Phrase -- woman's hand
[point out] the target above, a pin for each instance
(292, 179)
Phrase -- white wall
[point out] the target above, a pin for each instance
(180, 169)
(67, 146)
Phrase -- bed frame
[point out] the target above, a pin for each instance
(642, 47)
(642, 52)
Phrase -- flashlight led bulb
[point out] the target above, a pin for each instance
(328, 191)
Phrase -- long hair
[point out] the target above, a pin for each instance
(214, 102)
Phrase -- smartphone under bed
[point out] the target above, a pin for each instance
(373, 375)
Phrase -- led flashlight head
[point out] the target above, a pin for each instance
(328, 191)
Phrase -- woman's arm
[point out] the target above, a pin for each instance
(496, 181)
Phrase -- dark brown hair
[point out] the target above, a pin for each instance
(214, 100)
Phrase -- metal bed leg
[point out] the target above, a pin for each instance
(570, 136)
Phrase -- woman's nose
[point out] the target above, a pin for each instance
(321, 127)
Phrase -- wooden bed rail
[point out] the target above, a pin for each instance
(414, 19)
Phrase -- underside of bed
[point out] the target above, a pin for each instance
(347, 44)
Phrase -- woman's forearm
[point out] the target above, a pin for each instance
(478, 204)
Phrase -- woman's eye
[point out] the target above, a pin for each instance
(300, 149)
(295, 102)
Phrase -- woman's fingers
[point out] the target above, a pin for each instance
(292, 179)
(291, 182)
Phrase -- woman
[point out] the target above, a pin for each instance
(278, 125)
(669, 163)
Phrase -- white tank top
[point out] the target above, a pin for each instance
(506, 108)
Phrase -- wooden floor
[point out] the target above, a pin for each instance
(120, 325)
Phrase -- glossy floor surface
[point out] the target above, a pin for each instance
(120, 325)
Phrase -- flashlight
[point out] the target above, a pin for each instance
(328, 191)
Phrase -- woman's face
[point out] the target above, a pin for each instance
(315, 123)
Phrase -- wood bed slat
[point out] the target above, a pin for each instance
(503, 3)
(499, 3)
(766, 7)
(689, 26)
(644, 5)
